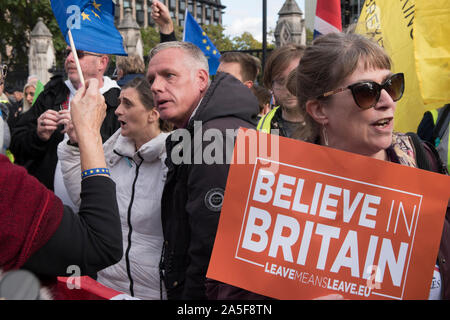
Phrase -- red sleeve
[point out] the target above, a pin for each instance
(29, 214)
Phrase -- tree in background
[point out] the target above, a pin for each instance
(309, 36)
(246, 42)
(17, 20)
(217, 36)
(150, 38)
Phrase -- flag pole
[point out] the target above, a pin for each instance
(75, 56)
(184, 28)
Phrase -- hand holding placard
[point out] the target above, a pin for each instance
(324, 224)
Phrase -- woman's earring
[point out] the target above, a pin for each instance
(325, 135)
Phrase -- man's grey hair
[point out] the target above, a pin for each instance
(197, 56)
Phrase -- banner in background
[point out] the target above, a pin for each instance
(85, 288)
(329, 223)
(432, 50)
(391, 23)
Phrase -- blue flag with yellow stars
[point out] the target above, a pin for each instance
(194, 33)
(91, 23)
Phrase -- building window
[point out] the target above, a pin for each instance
(140, 17)
(117, 12)
(139, 13)
(126, 4)
(172, 4)
(149, 16)
(182, 5)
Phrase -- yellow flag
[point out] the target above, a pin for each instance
(432, 50)
(390, 23)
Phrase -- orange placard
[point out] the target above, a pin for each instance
(309, 221)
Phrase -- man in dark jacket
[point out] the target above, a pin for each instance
(194, 190)
(38, 132)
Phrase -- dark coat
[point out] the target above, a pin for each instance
(194, 191)
(40, 157)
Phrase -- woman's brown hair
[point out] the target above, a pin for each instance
(325, 64)
(142, 87)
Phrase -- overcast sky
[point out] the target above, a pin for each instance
(246, 15)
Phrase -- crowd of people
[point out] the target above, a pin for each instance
(97, 182)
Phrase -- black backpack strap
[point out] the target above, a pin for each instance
(441, 124)
(427, 157)
(421, 156)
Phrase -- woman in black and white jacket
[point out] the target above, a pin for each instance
(135, 155)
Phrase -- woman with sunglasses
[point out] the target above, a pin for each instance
(347, 94)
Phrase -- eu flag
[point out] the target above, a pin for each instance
(194, 33)
(91, 23)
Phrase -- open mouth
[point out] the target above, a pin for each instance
(382, 123)
(161, 103)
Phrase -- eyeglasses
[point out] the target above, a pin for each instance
(81, 53)
(367, 93)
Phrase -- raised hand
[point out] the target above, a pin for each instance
(161, 16)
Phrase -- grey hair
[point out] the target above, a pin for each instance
(197, 56)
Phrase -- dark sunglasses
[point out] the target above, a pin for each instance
(81, 53)
(367, 93)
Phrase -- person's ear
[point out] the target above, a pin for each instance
(248, 84)
(316, 109)
(103, 65)
(153, 116)
(119, 73)
(203, 78)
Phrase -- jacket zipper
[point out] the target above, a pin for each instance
(130, 229)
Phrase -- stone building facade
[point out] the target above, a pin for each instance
(204, 11)
(291, 26)
(41, 54)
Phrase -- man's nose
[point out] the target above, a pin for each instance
(157, 84)
(69, 57)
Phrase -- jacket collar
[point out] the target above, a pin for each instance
(149, 152)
